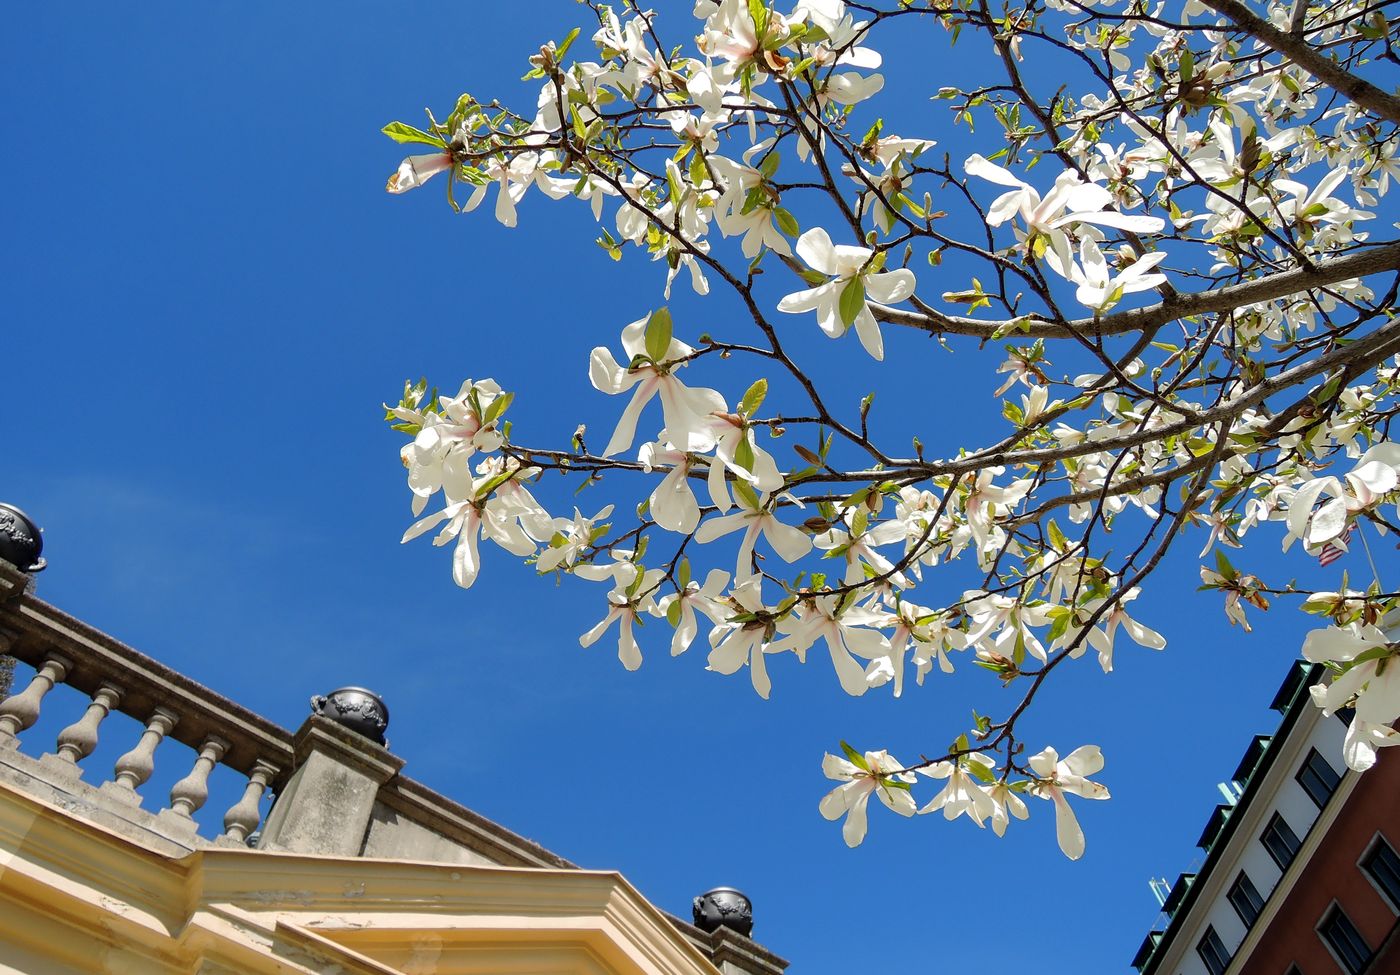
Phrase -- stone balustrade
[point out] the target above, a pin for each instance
(338, 793)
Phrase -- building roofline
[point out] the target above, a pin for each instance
(1293, 710)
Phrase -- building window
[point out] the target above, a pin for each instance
(1213, 953)
(1318, 779)
(1346, 942)
(1246, 900)
(1383, 867)
(1281, 842)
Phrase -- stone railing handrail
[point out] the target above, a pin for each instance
(36, 631)
(118, 678)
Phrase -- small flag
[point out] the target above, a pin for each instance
(1336, 548)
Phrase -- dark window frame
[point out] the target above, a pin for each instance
(1249, 894)
(1350, 962)
(1279, 826)
(1378, 843)
(1212, 952)
(1318, 778)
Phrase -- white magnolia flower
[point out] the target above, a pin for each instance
(1371, 684)
(856, 280)
(672, 504)
(742, 638)
(571, 539)
(1376, 475)
(1009, 619)
(460, 430)
(1068, 776)
(1099, 289)
(790, 543)
(962, 794)
(414, 171)
(687, 411)
(917, 626)
(822, 618)
(737, 451)
(1004, 802)
(1086, 203)
(631, 595)
(1102, 639)
(857, 548)
(879, 774)
(692, 597)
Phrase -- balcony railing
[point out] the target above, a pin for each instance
(409, 819)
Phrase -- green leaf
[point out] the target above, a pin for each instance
(769, 166)
(787, 223)
(743, 454)
(683, 573)
(658, 334)
(1223, 566)
(979, 771)
(759, 13)
(498, 406)
(1187, 64)
(403, 132)
(745, 491)
(564, 45)
(673, 613)
(854, 757)
(698, 173)
(852, 300)
(753, 399)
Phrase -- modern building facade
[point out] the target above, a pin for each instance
(355, 869)
(1301, 875)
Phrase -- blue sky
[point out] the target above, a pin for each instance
(208, 296)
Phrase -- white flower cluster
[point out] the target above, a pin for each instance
(1213, 399)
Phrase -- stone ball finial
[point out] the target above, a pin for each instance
(363, 712)
(21, 541)
(723, 907)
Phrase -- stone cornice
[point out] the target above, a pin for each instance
(240, 906)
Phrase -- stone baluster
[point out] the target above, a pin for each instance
(243, 817)
(192, 791)
(22, 710)
(77, 741)
(136, 766)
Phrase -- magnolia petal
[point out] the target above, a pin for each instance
(800, 301)
(868, 331)
(816, 250)
(673, 503)
(1328, 523)
(626, 430)
(1067, 831)
(627, 650)
(607, 376)
(417, 170)
(685, 632)
(505, 206)
(977, 165)
(854, 829)
(1119, 221)
(466, 562)
(790, 543)
(591, 637)
(758, 672)
(721, 526)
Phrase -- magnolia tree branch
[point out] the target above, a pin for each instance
(1295, 49)
(1359, 263)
